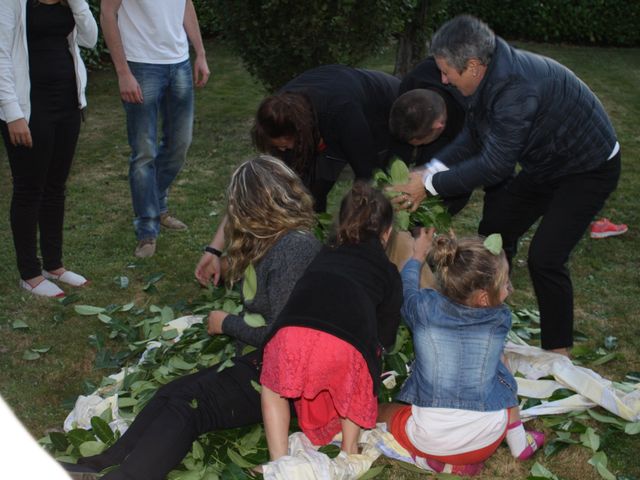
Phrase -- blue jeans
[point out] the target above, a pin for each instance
(168, 93)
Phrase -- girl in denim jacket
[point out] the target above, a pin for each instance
(461, 398)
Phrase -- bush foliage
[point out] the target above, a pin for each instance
(279, 39)
(582, 22)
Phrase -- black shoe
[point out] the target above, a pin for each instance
(80, 472)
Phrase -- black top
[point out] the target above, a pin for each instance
(51, 69)
(352, 292)
(528, 109)
(427, 75)
(352, 108)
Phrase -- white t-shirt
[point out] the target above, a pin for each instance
(152, 31)
(449, 431)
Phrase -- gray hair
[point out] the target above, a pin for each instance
(462, 38)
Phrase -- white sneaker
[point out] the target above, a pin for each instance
(44, 289)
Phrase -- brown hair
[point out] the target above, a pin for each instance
(365, 213)
(463, 266)
(288, 114)
(265, 200)
(413, 114)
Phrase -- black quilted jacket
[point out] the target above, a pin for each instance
(530, 110)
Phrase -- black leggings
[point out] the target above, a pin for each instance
(567, 207)
(163, 432)
(39, 176)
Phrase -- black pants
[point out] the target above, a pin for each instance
(567, 207)
(39, 176)
(163, 432)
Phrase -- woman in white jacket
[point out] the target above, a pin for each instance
(42, 83)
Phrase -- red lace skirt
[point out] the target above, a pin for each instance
(327, 377)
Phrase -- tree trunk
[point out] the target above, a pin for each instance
(412, 41)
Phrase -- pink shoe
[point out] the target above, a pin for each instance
(604, 228)
(535, 440)
(462, 470)
(44, 289)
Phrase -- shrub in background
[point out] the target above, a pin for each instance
(583, 22)
(279, 39)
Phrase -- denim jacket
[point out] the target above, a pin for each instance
(457, 351)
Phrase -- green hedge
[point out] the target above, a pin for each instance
(582, 22)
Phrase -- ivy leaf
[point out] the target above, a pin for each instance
(250, 283)
(399, 172)
(102, 431)
(632, 428)
(59, 441)
(236, 458)
(88, 310)
(30, 355)
(254, 320)
(493, 243)
(590, 439)
(256, 386)
(19, 325)
(599, 460)
(539, 471)
(92, 447)
(372, 473)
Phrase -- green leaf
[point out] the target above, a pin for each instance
(254, 320)
(19, 325)
(236, 458)
(127, 307)
(606, 419)
(372, 473)
(59, 441)
(632, 428)
(399, 172)
(92, 447)
(30, 355)
(122, 281)
(493, 243)
(69, 299)
(599, 460)
(590, 439)
(402, 220)
(124, 402)
(178, 363)
(256, 386)
(104, 318)
(197, 451)
(330, 450)
(539, 471)
(88, 310)
(605, 358)
(102, 431)
(249, 283)
(78, 436)
(42, 349)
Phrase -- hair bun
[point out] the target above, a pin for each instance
(443, 251)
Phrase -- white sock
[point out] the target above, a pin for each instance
(517, 438)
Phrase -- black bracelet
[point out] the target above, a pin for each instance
(213, 251)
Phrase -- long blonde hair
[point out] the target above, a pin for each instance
(265, 200)
(464, 266)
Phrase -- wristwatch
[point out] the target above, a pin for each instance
(213, 251)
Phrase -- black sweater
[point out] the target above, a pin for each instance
(352, 292)
(352, 108)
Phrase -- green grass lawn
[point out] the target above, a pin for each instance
(99, 243)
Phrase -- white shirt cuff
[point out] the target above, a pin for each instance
(431, 168)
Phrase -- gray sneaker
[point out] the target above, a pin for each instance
(171, 222)
(145, 248)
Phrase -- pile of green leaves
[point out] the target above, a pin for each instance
(227, 454)
(430, 212)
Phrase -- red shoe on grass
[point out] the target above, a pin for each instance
(604, 228)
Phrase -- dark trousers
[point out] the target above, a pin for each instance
(39, 176)
(567, 207)
(163, 432)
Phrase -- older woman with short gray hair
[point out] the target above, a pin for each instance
(528, 110)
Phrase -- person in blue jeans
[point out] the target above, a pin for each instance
(460, 400)
(149, 45)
